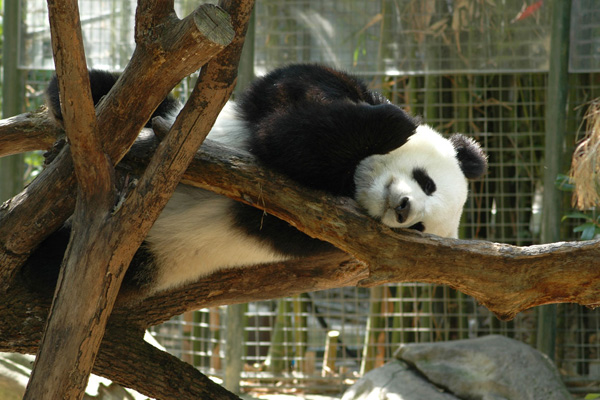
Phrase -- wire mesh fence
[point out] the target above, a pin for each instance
(585, 37)
(399, 37)
(476, 67)
(504, 112)
(324, 341)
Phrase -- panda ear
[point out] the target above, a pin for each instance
(472, 159)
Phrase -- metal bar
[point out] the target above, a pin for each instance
(11, 168)
(556, 104)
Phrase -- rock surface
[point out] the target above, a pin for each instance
(487, 368)
(394, 378)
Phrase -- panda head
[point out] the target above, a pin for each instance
(421, 185)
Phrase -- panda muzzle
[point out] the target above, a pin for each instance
(403, 210)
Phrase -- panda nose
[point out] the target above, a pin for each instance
(403, 209)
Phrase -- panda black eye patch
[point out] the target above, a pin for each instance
(424, 180)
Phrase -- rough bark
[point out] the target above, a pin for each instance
(120, 358)
(506, 279)
(171, 378)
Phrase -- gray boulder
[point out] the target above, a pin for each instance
(487, 368)
(395, 377)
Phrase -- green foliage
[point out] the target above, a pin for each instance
(34, 161)
(592, 396)
(591, 220)
(564, 183)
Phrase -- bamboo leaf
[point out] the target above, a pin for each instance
(576, 215)
(588, 230)
(564, 183)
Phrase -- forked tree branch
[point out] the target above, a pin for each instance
(102, 245)
(505, 278)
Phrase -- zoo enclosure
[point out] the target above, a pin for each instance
(476, 67)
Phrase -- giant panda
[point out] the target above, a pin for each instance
(324, 129)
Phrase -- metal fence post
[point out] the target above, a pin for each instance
(11, 168)
(556, 111)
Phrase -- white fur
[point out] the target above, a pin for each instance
(228, 128)
(195, 236)
(382, 180)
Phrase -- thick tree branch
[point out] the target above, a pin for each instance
(23, 312)
(37, 211)
(239, 285)
(506, 279)
(64, 361)
(79, 115)
(28, 132)
(176, 151)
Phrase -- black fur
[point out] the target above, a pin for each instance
(301, 83)
(101, 82)
(316, 124)
(40, 272)
(275, 232)
(424, 180)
